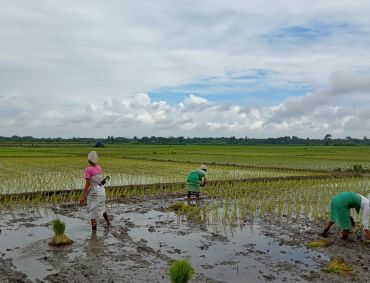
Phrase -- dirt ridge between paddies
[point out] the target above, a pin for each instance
(244, 166)
(120, 191)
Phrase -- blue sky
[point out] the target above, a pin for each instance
(250, 88)
(190, 68)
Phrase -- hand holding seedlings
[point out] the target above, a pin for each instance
(203, 182)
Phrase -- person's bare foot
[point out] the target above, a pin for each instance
(106, 218)
(323, 234)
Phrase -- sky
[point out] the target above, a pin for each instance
(202, 68)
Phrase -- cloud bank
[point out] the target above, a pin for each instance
(184, 68)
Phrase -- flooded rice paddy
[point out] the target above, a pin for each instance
(145, 237)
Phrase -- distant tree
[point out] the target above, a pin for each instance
(327, 139)
(145, 140)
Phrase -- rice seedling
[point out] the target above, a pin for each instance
(357, 228)
(192, 212)
(181, 271)
(225, 216)
(338, 265)
(238, 199)
(318, 244)
(59, 239)
(180, 208)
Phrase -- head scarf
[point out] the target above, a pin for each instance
(93, 157)
(204, 168)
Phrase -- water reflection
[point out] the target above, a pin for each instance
(95, 244)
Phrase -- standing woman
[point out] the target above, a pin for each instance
(94, 192)
(340, 213)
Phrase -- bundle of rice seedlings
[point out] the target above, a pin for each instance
(318, 244)
(176, 206)
(338, 265)
(59, 239)
(181, 271)
(357, 229)
(180, 208)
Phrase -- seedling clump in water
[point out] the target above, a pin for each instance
(190, 211)
(318, 244)
(338, 265)
(180, 208)
(181, 271)
(59, 239)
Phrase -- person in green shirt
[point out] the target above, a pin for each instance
(340, 213)
(195, 180)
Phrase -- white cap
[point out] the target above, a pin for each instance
(93, 157)
(203, 167)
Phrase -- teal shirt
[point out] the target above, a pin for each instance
(340, 208)
(193, 180)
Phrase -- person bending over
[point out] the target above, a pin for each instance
(340, 213)
(195, 180)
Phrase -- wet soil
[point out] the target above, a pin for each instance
(145, 238)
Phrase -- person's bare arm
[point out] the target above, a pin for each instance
(86, 191)
(367, 234)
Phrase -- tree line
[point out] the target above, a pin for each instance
(286, 140)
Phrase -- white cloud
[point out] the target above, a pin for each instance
(87, 68)
(195, 100)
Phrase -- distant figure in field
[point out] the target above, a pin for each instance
(94, 191)
(195, 180)
(340, 213)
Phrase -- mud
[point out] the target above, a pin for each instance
(145, 237)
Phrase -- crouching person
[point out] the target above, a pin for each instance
(195, 180)
(340, 213)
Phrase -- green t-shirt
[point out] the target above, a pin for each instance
(193, 180)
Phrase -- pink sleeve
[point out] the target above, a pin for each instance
(92, 171)
(88, 173)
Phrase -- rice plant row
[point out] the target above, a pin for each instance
(227, 203)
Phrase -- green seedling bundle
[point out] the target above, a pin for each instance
(338, 265)
(59, 239)
(319, 243)
(181, 271)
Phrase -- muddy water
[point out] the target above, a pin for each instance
(146, 237)
(236, 254)
(25, 235)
